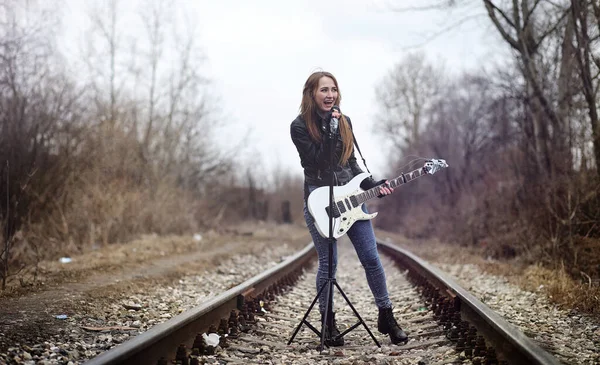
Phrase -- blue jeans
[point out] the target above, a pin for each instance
(363, 239)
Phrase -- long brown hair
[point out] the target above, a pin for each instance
(308, 110)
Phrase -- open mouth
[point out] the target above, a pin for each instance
(328, 103)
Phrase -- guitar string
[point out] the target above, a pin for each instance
(410, 164)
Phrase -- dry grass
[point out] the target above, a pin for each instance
(249, 238)
(99, 214)
(107, 195)
(101, 259)
(560, 287)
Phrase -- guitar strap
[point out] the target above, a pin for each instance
(358, 148)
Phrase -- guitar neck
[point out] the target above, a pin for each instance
(400, 180)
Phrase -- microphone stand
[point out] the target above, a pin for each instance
(330, 282)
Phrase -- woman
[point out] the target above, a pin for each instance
(309, 133)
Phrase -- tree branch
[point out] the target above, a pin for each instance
(528, 15)
(596, 9)
(437, 6)
(491, 8)
(549, 31)
(444, 30)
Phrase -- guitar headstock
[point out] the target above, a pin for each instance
(434, 165)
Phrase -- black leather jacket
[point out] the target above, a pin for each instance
(314, 157)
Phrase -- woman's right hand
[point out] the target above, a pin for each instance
(385, 189)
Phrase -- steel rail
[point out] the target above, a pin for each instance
(163, 339)
(509, 342)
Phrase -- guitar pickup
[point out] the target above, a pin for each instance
(339, 206)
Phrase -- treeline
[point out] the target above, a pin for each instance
(118, 144)
(522, 139)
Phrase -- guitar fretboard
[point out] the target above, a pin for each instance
(402, 179)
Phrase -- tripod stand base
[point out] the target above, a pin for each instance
(329, 284)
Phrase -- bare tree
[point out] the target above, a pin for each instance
(105, 24)
(406, 94)
(468, 125)
(588, 65)
(189, 127)
(154, 15)
(163, 88)
(532, 28)
(525, 31)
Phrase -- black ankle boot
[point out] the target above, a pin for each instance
(386, 324)
(330, 335)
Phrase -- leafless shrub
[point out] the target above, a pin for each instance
(286, 196)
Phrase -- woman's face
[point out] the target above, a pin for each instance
(326, 94)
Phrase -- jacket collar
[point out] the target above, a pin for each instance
(323, 121)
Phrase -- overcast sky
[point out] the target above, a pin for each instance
(260, 53)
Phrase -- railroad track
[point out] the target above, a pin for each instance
(445, 323)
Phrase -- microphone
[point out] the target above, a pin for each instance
(333, 124)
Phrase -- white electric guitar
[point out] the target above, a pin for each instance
(348, 199)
